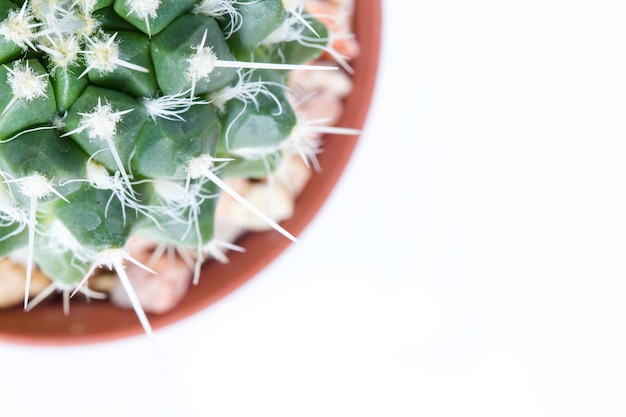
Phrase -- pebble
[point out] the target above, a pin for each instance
(13, 281)
(336, 83)
(293, 173)
(158, 293)
(274, 200)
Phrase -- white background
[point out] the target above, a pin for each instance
(471, 260)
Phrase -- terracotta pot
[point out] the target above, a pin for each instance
(100, 321)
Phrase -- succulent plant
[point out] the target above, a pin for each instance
(124, 117)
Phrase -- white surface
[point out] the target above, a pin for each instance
(471, 261)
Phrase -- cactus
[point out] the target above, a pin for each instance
(124, 117)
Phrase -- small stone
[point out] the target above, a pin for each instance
(323, 106)
(13, 282)
(293, 173)
(273, 199)
(336, 83)
(158, 293)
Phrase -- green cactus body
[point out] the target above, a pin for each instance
(122, 117)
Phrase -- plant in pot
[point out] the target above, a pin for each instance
(128, 126)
